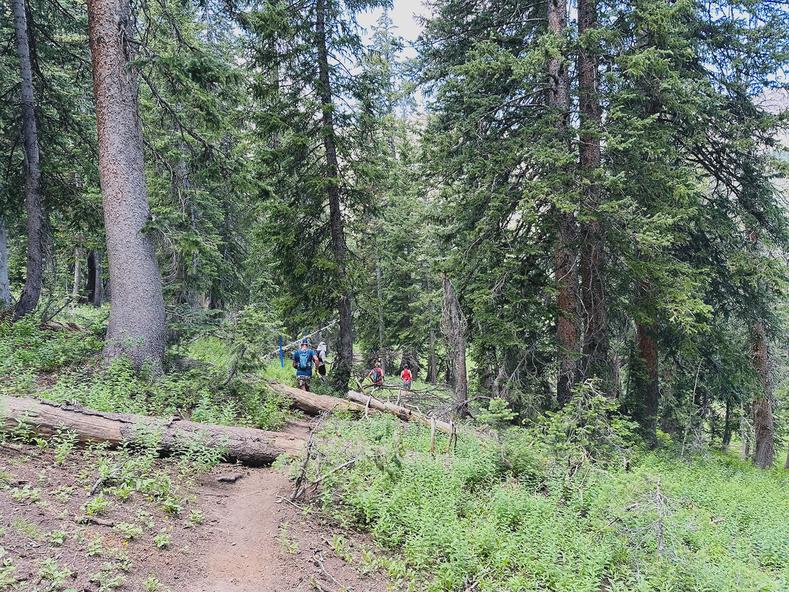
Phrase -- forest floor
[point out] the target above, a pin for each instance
(200, 535)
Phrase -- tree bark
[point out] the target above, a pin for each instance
(558, 99)
(764, 430)
(33, 201)
(343, 364)
(248, 446)
(5, 286)
(95, 284)
(454, 329)
(136, 323)
(595, 362)
(646, 382)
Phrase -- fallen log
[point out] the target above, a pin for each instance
(403, 413)
(248, 446)
(313, 403)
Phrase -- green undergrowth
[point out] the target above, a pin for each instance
(521, 513)
(64, 366)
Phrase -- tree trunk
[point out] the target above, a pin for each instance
(595, 348)
(454, 329)
(727, 427)
(564, 256)
(95, 283)
(786, 464)
(646, 397)
(136, 324)
(343, 364)
(77, 275)
(382, 352)
(33, 203)
(764, 453)
(5, 286)
(432, 363)
(248, 446)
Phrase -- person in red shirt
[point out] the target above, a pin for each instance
(406, 377)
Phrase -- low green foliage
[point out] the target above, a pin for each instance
(555, 507)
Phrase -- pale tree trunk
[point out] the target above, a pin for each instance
(77, 275)
(5, 286)
(764, 430)
(564, 255)
(454, 329)
(596, 363)
(344, 362)
(33, 203)
(136, 324)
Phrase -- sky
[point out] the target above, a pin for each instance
(403, 15)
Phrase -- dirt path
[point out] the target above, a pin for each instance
(259, 543)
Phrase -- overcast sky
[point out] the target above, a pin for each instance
(403, 15)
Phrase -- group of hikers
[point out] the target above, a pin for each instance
(305, 358)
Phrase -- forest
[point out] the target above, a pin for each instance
(567, 222)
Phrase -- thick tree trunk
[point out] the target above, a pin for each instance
(596, 363)
(245, 445)
(75, 287)
(764, 430)
(454, 329)
(343, 364)
(136, 324)
(33, 203)
(564, 256)
(95, 284)
(5, 286)
(646, 383)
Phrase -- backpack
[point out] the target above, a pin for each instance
(304, 360)
(376, 375)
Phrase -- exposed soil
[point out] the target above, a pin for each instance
(247, 538)
(259, 541)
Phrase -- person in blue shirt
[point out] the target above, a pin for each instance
(303, 360)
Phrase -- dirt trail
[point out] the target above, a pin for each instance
(259, 543)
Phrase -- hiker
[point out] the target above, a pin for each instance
(377, 374)
(322, 358)
(303, 359)
(406, 377)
